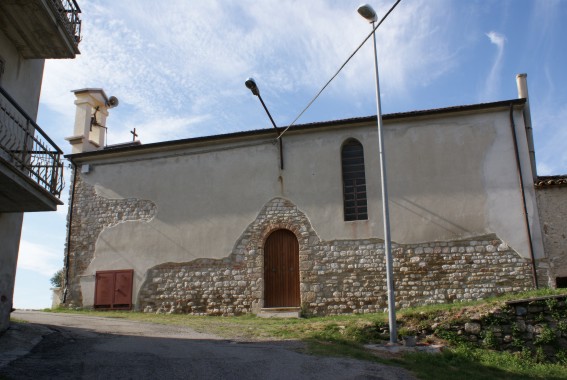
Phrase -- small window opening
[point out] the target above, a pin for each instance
(354, 181)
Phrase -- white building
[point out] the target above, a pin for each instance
(214, 225)
(30, 163)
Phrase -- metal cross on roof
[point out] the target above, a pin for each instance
(134, 134)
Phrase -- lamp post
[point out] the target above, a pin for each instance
(369, 14)
(251, 84)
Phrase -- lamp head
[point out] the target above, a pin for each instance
(367, 12)
(251, 84)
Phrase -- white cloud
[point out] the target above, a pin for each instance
(544, 169)
(550, 136)
(38, 258)
(497, 39)
(492, 83)
(187, 66)
(159, 129)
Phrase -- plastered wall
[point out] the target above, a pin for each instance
(22, 80)
(450, 177)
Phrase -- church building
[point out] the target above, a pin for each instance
(237, 223)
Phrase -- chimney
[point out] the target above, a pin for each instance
(92, 106)
(522, 84)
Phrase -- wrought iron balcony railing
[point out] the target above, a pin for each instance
(25, 146)
(68, 11)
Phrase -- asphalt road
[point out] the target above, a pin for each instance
(83, 347)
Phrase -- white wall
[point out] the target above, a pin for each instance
(449, 177)
(10, 231)
(22, 77)
(22, 80)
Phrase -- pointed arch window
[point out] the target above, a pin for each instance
(354, 181)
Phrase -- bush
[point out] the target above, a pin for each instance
(547, 336)
(490, 340)
(57, 279)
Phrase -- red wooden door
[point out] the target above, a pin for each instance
(123, 289)
(113, 289)
(104, 288)
(281, 270)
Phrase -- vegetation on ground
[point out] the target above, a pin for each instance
(346, 335)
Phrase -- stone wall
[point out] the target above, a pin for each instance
(339, 276)
(552, 205)
(92, 214)
(233, 285)
(538, 325)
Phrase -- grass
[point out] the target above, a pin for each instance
(254, 328)
(345, 335)
(463, 362)
(16, 320)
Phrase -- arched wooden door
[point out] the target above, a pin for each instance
(281, 270)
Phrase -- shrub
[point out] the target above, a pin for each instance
(490, 340)
(547, 336)
(562, 327)
(57, 279)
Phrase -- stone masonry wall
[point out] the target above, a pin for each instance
(339, 276)
(537, 326)
(552, 205)
(231, 286)
(92, 214)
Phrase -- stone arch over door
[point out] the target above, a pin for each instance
(281, 270)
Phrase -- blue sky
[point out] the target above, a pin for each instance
(179, 72)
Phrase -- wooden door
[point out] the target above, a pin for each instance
(113, 289)
(281, 270)
(123, 288)
(104, 289)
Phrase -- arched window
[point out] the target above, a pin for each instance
(354, 181)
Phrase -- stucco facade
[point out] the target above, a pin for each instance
(181, 205)
(22, 79)
(30, 168)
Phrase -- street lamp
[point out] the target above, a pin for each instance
(251, 84)
(369, 14)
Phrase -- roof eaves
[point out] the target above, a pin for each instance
(552, 180)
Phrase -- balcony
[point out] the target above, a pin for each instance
(31, 170)
(42, 28)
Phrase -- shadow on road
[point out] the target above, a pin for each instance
(83, 353)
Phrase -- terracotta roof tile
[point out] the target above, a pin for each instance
(552, 180)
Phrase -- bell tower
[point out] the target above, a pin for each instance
(91, 112)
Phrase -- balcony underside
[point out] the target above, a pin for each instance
(18, 193)
(37, 30)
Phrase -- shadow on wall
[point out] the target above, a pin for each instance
(431, 217)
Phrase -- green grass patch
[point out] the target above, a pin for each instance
(353, 328)
(343, 349)
(16, 320)
(477, 364)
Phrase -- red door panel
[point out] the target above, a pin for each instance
(104, 288)
(113, 289)
(123, 288)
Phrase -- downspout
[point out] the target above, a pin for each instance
(525, 208)
(70, 225)
(522, 85)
